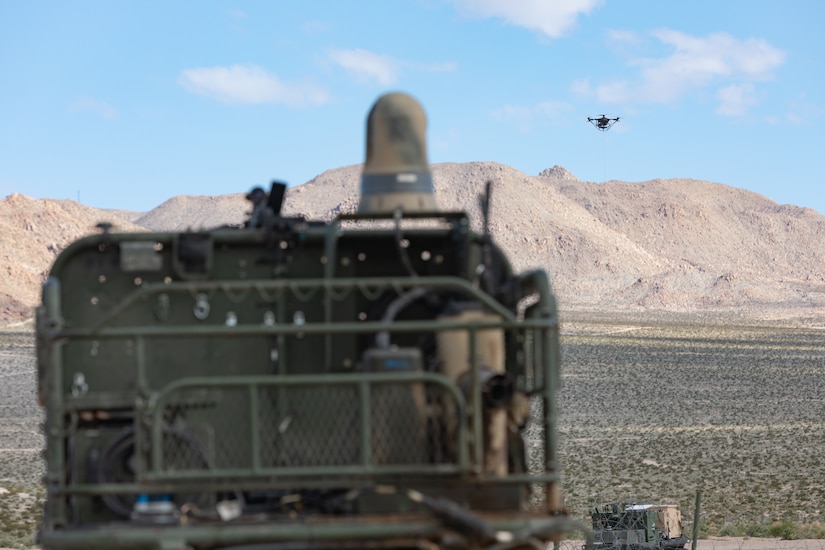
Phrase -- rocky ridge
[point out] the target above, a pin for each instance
(676, 245)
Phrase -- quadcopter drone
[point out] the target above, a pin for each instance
(603, 123)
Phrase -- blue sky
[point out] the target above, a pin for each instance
(126, 104)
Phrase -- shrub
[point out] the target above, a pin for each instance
(757, 530)
(784, 531)
(729, 530)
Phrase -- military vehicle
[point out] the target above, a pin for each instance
(361, 383)
(623, 526)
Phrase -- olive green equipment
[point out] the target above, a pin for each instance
(359, 383)
(628, 526)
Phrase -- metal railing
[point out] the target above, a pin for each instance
(268, 437)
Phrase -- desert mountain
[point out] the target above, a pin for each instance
(32, 232)
(675, 245)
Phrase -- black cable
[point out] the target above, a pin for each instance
(119, 454)
(399, 238)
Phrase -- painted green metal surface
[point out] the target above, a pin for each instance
(222, 388)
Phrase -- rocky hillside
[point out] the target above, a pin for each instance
(671, 245)
(32, 232)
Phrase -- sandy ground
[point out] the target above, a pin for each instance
(735, 543)
(20, 438)
(738, 543)
(20, 442)
(729, 543)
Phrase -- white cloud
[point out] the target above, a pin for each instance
(249, 84)
(802, 111)
(736, 99)
(368, 66)
(525, 117)
(99, 108)
(383, 69)
(552, 18)
(718, 60)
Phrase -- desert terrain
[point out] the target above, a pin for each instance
(674, 246)
(693, 335)
(649, 412)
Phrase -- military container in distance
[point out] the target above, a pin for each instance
(638, 527)
(359, 383)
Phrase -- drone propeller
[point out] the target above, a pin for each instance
(603, 122)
